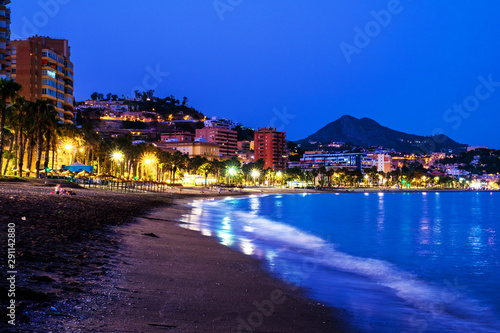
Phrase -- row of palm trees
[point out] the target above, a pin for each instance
(27, 127)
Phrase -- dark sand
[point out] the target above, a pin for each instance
(84, 268)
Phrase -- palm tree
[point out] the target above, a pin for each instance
(196, 162)
(314, 173)
(217, 166)
(51, 126)
(329, 174)
(23, 112)
(46, 113)
(205, 169)
(178, 160)
(8, 90)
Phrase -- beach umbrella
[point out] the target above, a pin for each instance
(84, 173)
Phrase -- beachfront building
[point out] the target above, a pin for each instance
(226, 139)
(5, 61)
(270, 145)
(383, 162)
(191, 148)
(43, 67)
(315, 160)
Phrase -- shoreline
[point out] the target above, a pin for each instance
(175, 278)
(87, 269)
(72, 259)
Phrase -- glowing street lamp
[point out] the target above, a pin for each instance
(232, 172)
(117, 156)
(69, 148)
(255, 174)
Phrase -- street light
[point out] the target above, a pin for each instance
(118, 157)
(69, 148)
(255, 174)
(232, 172)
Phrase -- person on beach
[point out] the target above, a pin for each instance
(59, 189)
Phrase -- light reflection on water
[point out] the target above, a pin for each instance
(387, 257)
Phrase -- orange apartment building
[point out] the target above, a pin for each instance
(42, 66)
(4, 39)
(270, 145)
(226, 139)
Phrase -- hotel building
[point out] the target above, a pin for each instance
(4, 39)
(42, 66)
(270, 145)
(226, 139)
(352, 161)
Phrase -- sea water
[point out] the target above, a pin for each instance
(394, 262)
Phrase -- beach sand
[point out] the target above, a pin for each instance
(84, 266)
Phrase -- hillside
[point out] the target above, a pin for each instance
(367, 133)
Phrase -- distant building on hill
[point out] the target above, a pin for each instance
(116, 106)
(270, 145)
(476, 148)
(43, 67)
(221, 123)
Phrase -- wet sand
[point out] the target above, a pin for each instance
(85, 266)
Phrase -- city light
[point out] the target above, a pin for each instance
(255, 174)
(117, 155)
(232, 171)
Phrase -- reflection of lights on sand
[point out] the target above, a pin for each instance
(367, 194)
(424, 193)
(380, 194)
(246, 246)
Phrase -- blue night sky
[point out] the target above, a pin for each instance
(294, 64)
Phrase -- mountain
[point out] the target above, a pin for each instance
(367, 133)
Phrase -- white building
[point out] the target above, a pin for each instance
(383, 162)
(223, 123)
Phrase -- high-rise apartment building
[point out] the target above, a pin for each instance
(4, 39)
(226, 139)
(270, 145)
(42, 66)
